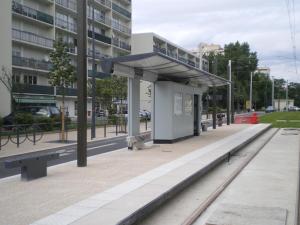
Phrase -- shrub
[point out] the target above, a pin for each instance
(45, 123)
(23, 118)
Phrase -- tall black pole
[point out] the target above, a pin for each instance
(82, 85)
(93, 127)
(229, 92)
(214, 97)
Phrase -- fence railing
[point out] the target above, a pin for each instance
(33, 133)
(32, 13)
(32, 38)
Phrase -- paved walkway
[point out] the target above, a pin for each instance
(23, 203)
(50, 140)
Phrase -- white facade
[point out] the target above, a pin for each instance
(5, 55)
(280, 104)
(174, 110)
(265, 70)
(151, 42)
(31, 26)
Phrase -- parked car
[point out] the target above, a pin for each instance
(101, 113)
(293, 108)
(270, 109)
(148, 114)
(143, 114)
(35, 111)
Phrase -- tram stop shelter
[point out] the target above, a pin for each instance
(176, 93)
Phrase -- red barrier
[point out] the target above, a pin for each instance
(252, 119)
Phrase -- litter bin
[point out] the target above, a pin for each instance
(220, 119)
(204, 127)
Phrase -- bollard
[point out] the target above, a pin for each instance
(34, 138)
(146, 124)
(0, 138)
(116, 128)
(18, 137)
(105, 130)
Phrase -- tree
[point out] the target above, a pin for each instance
(6, 78)
(62, 75)
(111, 88)
(243, 63)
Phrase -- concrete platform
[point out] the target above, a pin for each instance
(269, 182)
(131, 200)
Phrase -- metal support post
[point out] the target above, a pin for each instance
(287, 96)
(250, 94)
(229, 93)
(93, 127)
(273, 92)
(82, 84)
(214, 108)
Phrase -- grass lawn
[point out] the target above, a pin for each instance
(282, 119)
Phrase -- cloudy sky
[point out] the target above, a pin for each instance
(264, 24)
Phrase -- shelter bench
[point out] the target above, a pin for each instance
(33, 166)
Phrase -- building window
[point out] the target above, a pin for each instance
(28, 79)
(75, 108)
(16, 78)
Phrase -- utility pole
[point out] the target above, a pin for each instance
(93, 125)
(82, 85)
(273, 92)
(287, 96)
(229, 92)
(250, 95)
(214, 96)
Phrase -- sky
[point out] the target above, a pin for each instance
(264, 24)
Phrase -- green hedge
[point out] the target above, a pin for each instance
(23, 118)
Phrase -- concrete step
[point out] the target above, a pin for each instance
(131, 201)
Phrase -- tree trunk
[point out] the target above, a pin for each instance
(63, 138)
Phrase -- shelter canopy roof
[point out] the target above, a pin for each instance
(160, 67)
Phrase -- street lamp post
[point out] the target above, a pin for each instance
(273, 92)
(287, 96)
(251, 83)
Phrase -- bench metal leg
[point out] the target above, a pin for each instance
(34, 170)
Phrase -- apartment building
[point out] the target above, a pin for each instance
(151, 42)
(31, 27)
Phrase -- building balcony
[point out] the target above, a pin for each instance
(42, 90)
(98, 54)
(121, 44)
(172, 54)
(127, 2)
(191, 63)
(182, 59)
(66, 25)
(159, 49)
(99, 75)
(32, 38)
(69, 4)
(32, 13)
(33, 89)
(100, 37)
(68, 91)
(100, 18)
(122, 28)
(105, 3)
(31, 63)
(121, 10)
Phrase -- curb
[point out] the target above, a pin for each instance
(145, 210)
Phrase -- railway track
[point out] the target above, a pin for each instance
(188, 206)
